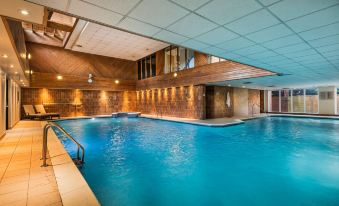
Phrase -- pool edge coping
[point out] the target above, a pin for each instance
(73, 187)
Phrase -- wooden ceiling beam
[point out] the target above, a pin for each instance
(58, 26)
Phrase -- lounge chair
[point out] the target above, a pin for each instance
(41, 110)
(31, 114)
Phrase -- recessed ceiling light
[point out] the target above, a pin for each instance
(24, 12)
(21, 80)
(29, 56)
(5, 56)
(175, 74)
(243, 86)
(229, 85)
(15, 72)
(12, 66)
(116, 81)
(59, 77)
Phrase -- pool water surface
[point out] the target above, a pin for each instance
(267, 161)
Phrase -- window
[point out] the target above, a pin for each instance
(178, 58)
(139, 70)
(285, 101)
(298, 101)
(312, 101)
(147, 67)
(275, 101)
(153, 64)
(337, 100)
(214, 59)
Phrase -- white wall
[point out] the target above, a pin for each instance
(328, 106)
(240, 96)
(2, 103)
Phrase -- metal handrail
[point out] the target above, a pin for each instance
(44, 143)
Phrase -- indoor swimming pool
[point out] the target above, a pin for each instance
(266, 161)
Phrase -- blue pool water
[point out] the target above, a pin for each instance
(271, 161)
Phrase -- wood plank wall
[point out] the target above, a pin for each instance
(74, 102)
(216, 97)
(210, 73)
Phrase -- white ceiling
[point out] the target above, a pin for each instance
(297, 37)
(106, 41)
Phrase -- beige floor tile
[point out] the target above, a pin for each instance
(13, 197)
(9, 188)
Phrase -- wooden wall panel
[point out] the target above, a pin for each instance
(73, 102)
(160, 61)
(184, 102)
(200, 59)
(216, 97)
(210, 73)
(48, 80)
(253, 101)
(49, 59)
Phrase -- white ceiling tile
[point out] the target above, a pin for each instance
(250, 50)
(56, 4)
(325, 41)
(301, 53)
(138, 27)
(192, 25)
(253, 22)
(268, 2)
(262, 55)
(235, 44)
(170, 37)
(217, 35)
(81, 8)
(118, 6)
(320, 32)
(289, 9)
(222, 11)
(284, 41)
(158, 12)
(193, 44)
(317, 19)
(328, 48)
(192, 5)
(213, 50)
(270, 33)
(293, 48)
(123, 45)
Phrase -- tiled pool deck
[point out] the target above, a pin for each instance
(25, 182)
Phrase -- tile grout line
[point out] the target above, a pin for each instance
(10, 160)
(30, 167)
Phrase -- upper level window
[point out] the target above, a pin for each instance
(178, 58)
(214, 59)
(147, 67)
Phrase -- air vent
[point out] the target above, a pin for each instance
(271, 86)
(247, 83)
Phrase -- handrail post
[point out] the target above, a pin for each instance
(44, 145)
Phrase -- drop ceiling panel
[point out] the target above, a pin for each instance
(101, 40)
(118, 6)
(160, 13)
(286, 36)
(81, 8)
(285, 11)
(217, 35)
(236, 44)
(138, 27)
(316, 19)
(192, 5)
(192, 25)
(282, 42)
(170, 37)
(270, 33)
(250, 23)
(222, 12)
